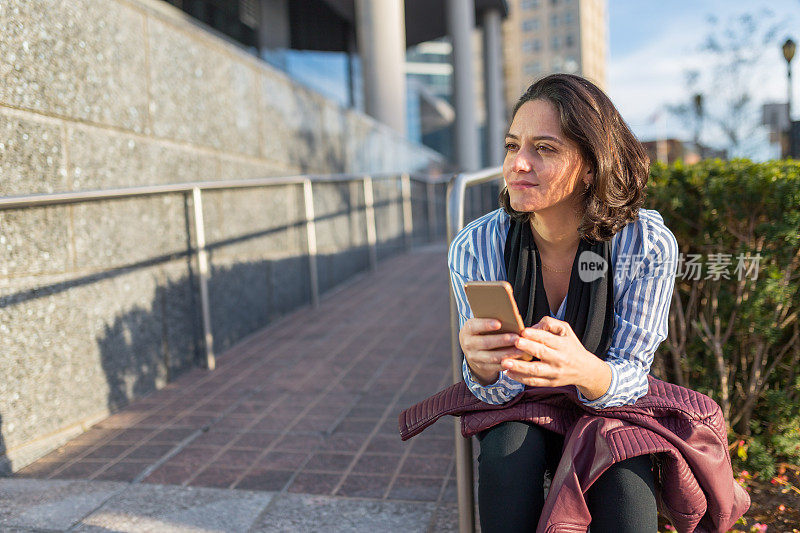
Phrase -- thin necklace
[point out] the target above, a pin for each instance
(554, 269)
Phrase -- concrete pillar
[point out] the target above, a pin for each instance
(493, 85)
(460, 23)
(273, 28)
(381, 30)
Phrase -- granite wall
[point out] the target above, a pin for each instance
(98, 301)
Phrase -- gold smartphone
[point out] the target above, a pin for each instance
(495, 299)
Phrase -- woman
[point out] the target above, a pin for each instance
(574, 184)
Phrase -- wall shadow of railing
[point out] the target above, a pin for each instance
(145, 345)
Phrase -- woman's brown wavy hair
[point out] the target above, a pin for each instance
(620, 162)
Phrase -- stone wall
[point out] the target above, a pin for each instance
(98, 301)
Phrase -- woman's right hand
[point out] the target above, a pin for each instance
(484, 350)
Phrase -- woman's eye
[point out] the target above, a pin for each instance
(510, 146)
(545, 148)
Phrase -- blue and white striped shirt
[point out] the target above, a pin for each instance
(644, 258)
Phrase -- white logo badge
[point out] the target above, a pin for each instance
(591, 266)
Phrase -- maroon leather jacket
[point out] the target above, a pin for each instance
(683, 429)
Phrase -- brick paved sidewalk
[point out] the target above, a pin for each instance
(308, 405)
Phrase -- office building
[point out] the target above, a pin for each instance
(541, 37)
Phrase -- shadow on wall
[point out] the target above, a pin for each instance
(5, 464)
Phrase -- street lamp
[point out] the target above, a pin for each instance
(788, 54)
(698, 114)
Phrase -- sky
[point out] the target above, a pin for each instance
(652, 43)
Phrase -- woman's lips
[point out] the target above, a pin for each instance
(521, 185)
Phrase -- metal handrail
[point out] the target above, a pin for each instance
(196, 188)
(456, 190)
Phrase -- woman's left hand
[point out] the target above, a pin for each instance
(562, 358)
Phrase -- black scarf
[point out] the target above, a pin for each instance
(590, 306)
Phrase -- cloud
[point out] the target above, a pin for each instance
(642, 80)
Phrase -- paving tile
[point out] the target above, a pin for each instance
(299, 441)
(150, 451)
(254, 440)
(233, 423)
(172, 509)
(384, 444)
(314, 423)
(283, 460)
(433, 466)
(450, 493)
(376, 464)
(343, 443)
(304, 512)
(170, 436)
(170, 474)
(432, 446)
(251, 408)
(108, 451)
(195, 421)
(238, 459)
(156, 420)
(445, 519)
(364, 486)
(79, 470)
(132, 435)
(269, 480)
(366, 411)
(194, 455)
(272, 424)
(356, 426)
(314, 483)
(416, 488)
(40, 469)
(216, 477)
(52, 505)
(122, 471)
(214, 438)
(328, 462)
(68, 452)
(121, 420)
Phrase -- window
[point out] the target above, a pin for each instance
(553, 20)
(530, 25)
(554, 43)
(527, 46)
(531, 45)
(553, 2)
(530, 4)
(569, 40)
(568, 17)
(533, 68)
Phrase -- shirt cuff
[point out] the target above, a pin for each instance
(499, 392)
(601, 402)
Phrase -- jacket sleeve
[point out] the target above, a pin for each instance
(464, 266)
(640, 314)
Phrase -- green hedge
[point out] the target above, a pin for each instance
(737, 339)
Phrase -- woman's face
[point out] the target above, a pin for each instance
(542, 168)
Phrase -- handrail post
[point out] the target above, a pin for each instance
(464, 472)
(431, 197)
(311, 241)
(369, 213)
(465, 479)
(202, 265)
(408, 221)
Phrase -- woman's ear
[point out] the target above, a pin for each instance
(588, 178)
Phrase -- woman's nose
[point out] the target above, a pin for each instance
(522, 162)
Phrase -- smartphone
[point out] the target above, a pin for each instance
(495, 299)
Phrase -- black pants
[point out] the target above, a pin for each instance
(511, 469)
